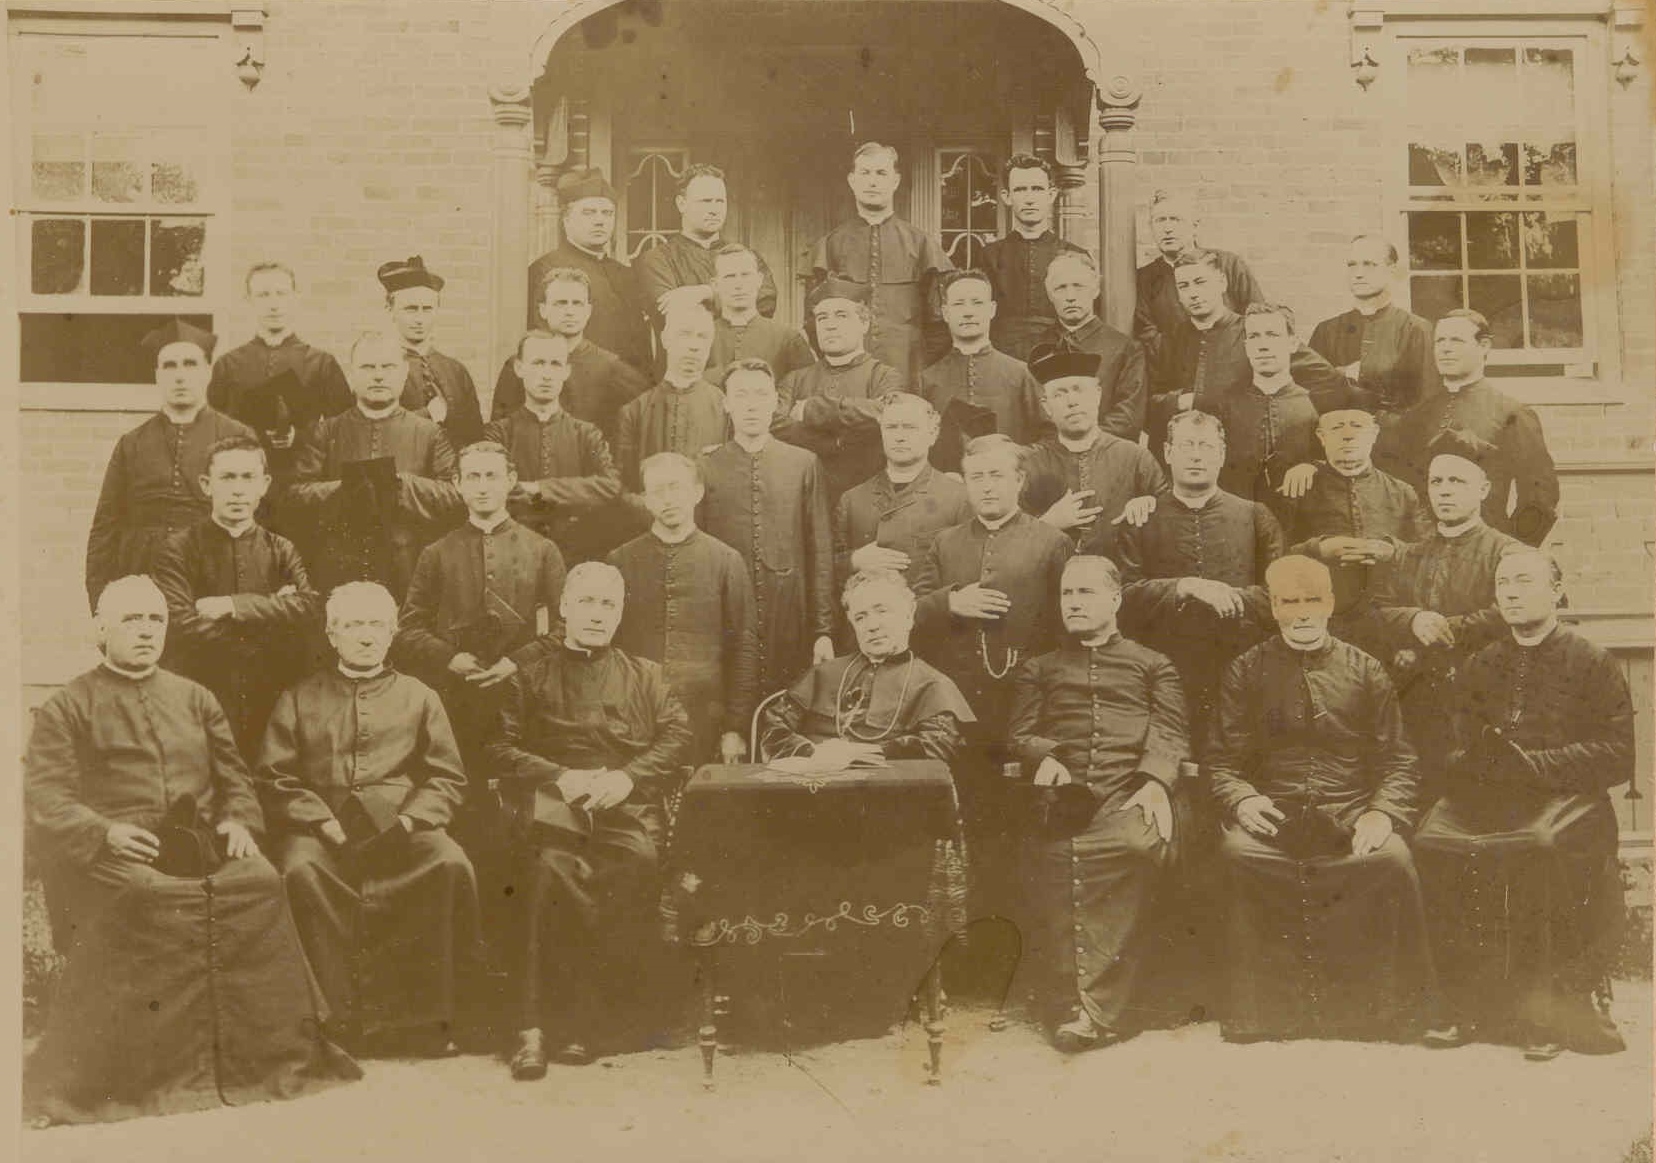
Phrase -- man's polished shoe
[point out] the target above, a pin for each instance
(573, 1054)
(1446, 1037)
(1542, 1051)
(529, 1063)
(1082, 1033)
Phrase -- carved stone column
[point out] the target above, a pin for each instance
(1118, 200)
(514, 177)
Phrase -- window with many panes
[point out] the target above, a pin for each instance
(968, 203)
(118, 183)
(1499, 209)
(651, 184)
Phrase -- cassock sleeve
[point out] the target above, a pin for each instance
(654, 277)
(238, 801)
(286, 794)
(1601, 755)
(332, 386)
(740, 646)
(766, 301)
(52, 770)
(508, 398)
(1145, 601)
(779, 722)
(1123, 411)
(1241, 288)
(550, 573)
(511, 762)
(295, 610)
(1390, 755)
(597, 484)
(438, 775)
(1327, 384)
(1035, 423)
(1167, 736)
(934, 737)
(434, 496)
(108, 519)
(1268, 545)
(654, 768)
(819, 548)
(310, 486)
(421, 644)
(218, 387)
(627, 443)
(1230, 752)
(931, 613)
(1024, 718)
(842, 540)
(171, 573)
(1533, 474)
(796, 354)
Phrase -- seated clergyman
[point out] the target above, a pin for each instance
(184, 985)
(881, 701)
(360, 775)
(1108, 715)
(589, 742)
(1518, 860)
(1313, 773)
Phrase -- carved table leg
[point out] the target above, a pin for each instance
(934, 1024)
(707, 1034)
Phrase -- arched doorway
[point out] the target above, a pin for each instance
(777, 92)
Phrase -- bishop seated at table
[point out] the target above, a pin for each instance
(184, 984)
(880, 702)
(589, 742)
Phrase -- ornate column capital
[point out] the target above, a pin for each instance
(1118, 104)
(511, 106)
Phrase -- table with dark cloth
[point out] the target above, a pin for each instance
(868, 866)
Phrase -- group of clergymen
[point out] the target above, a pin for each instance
(1196, 598)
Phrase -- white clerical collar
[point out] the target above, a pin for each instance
(500, 519)
(135, 675)
(1536, 637)
(753, 445)
(273, 340)
(1211, 323)
(904, 476)
(1369, 308)
(842, 360)
(751, 314)
(1454, 389)
(1039, 233)
(543, 412)
(1196, 502)
(1460, 530)
(1361, 471)
(1271, 385)
(977, 348)
(237, 532)
(683, 386)
(875, 218)
(1086, 444)
(708, 245)
(185, 421)
(383, 414)
(356, 675)
(1102, 639)
(1081, 326)
(417, 348)
(597, 254)
(1309, 648)
(666, 538)
(997, 526)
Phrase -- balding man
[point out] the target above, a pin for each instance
(152, 486)
(684, 413)
(1518, 860)
(377, 480)
(1382, 350)
(1106, 716)
(142, 821)
(360, 777)
(893, 259)
(1173, 225)
(589, 742)
(1523, 484)
(1316, 782)
(1072, 288)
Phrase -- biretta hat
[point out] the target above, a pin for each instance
(1048, 362)
(409, 272)
(836, 286)
(583, 182)
(1459, 442)
(178, 331)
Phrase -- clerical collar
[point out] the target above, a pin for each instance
(417, 348)
(1211, 323)
(500, 519)
(1044, 230)
(543, 412)
(1271, 385)
(392, 409)
(1079, 327)
(1095, 644)
(357, 674)
(575, 647)
(597, 254)
(1194, 503)
(1453, 531)
(1454, 389)
(754, 445)
(1369, 308)
(751, 314)
(905, 476)
(1318, 647)
(195, 414)
(673, 383)
(666, 538)
(843, 360)
(1086, 444)
(977, 348)
(997, 525)
(134, 675)
(273, 339)
(238, 532)
(1535, 638)
(873, 663)
(708, 245)
(875, 218)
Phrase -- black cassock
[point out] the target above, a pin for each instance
(619, 320)
(1322, 943)
(1518, 860)
(433, 375)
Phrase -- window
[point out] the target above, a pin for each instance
(118, 184)
(651, 185)
(1498, 209)
(969, 204)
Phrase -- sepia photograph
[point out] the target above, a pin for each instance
(756, 580)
